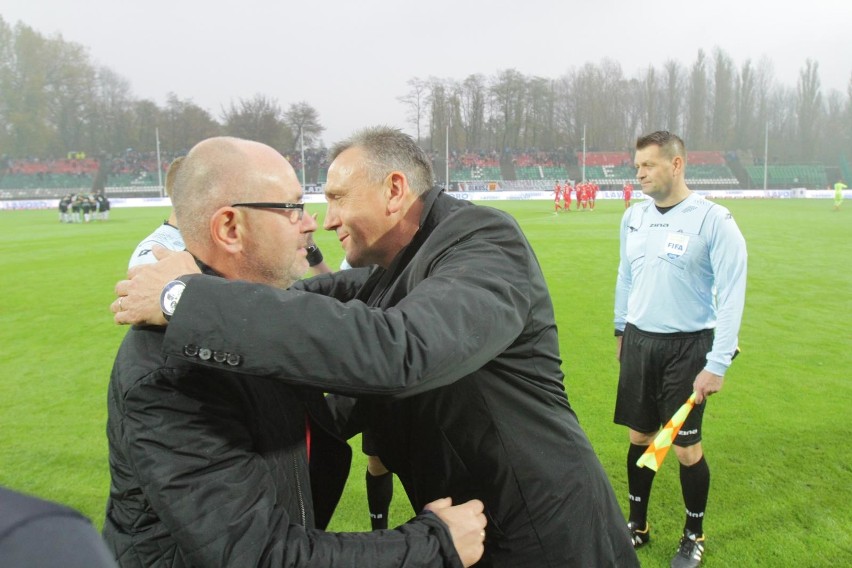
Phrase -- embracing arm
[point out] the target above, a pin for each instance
(471, 307)
(138, 301)
(341, 285)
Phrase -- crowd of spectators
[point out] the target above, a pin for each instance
(64, 166)
(78, 171)
(135, 164)
(315, 159)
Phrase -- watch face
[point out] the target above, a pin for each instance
(171, 296)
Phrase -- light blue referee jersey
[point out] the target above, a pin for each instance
(683, 271)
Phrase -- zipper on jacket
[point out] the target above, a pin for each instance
(299, 489)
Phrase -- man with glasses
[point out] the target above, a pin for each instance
(453, 325)
(208, 469)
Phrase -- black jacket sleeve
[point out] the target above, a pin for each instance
(470, 306)
(342, 285)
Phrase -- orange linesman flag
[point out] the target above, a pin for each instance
(656, 452)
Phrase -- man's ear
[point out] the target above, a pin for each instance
(397, 190)
(226, 229)
(677, 164)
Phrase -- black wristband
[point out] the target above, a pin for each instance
(618, 333)
(314, 255)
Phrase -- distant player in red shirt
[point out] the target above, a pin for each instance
(593, 194)
(628, 193)
(582, 192)
(566, 196)
(557, 197)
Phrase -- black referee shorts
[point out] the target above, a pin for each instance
(656, 377)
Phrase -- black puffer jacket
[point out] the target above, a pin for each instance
(210, 470)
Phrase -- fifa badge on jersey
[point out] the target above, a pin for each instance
(676, 244)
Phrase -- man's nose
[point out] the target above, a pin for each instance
(309, 222)
(330, 221)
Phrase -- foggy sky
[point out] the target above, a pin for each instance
(351, 59)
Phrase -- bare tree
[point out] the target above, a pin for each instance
(303, 119)
(415, 102)
(259, 118)
(635, 125)
(831, 139)
(745, 106)
(439, 112)
(651, 99)
(472, 106)
(724, 75)
(144, 119)
(111, 125)
(673, 94)
(808, 105)
(70, 94)
(540, 117)
(183, 124)
(696, 119)
(508, 90)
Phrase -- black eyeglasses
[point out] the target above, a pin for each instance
(296, 210)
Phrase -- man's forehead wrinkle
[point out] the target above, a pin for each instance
(351, 168)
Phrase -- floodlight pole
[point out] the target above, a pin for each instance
(302, 141)
(159, 164)
(584, 153)
(766, 156)
(447, 160)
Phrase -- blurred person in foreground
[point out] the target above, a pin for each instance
(453, 321)
(679, 301)
(209, 469)
(35, 533)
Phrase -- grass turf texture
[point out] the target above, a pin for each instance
(776, 437)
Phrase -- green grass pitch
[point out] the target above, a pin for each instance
(777, 436)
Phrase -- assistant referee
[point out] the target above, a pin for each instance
(678, 304)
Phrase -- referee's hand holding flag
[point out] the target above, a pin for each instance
(656, 452)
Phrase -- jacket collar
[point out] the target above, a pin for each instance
(380, 279)
(429, 198)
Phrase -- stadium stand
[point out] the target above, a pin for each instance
(605, 159)
(528, 172)
(705, 168)
(705, 158)
(476, 173)
(810, 177)
(554, 172)
(61, 174)
(132, 172)
(610, 174)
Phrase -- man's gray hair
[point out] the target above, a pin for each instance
(389, 149)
